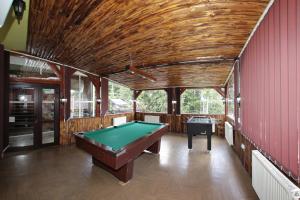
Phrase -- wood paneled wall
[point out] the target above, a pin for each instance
(1, 98)
(177, 123)
(4, 65)
(246, 154)
(67, 128)
(270, 92)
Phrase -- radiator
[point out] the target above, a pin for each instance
(229, 133)
(269, 183)
(151, 119)
(119, 120)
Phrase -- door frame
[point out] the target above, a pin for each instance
(37, 137)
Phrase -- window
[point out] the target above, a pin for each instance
(152, 101)
(230, 99)
(82, 96)
(120, 98)
(22, 67)
(202, 101)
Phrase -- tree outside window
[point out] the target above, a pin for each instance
(202, 101)
(120, 98)
(152, 101)
(230, 100)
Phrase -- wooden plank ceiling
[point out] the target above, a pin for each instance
(168, 39)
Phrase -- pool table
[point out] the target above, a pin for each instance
(115, 148)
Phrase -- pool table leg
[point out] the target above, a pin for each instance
(155, 148)
(124, 173)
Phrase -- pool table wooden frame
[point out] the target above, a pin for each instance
(120, 162)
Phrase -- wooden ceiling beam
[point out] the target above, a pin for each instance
(55, 70)
(159, 34)
(220, 91)
(34, 80)
(95, 80)
(137, 93)
(174, 64)
(182, 90)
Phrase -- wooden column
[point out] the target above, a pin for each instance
(98, 104)
(4, 87)
(136, 94)
(177, 99)
(96, 82)
(169, 99)
(174, 95)
(104, 96)
(65, 91)
(236, 94)
(226, 100)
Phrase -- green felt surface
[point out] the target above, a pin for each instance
(120, 136)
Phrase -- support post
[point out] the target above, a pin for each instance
(226, 100)
(169, 99)
(136, 94)
(104, 96)
(65, 91)
(177, 99)
(174, 96)
(236, 94)
(97, 84)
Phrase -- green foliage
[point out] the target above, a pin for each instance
(117, 91)
(198, 101)
(202, 101)
(152, 101)
(231, 96)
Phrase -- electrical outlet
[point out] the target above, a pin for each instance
(243, 147)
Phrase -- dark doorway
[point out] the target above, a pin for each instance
(33, 116)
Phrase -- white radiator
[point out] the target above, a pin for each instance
(269, 183)
(229, 133)
(151, 119)
(119, 120)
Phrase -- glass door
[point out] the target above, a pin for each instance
(33, 116)
(22, 116)
(48, 115)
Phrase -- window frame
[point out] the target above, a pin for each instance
(109, 112)
(81, 101)
(154, 112)
(201, 101)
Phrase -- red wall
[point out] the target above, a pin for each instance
(270, 85)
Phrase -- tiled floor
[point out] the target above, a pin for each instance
(176, 173)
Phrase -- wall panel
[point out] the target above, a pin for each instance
(4, 65)
(270, 86)
(177, 123)
(67, 128)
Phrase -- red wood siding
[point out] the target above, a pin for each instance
(270, 85)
